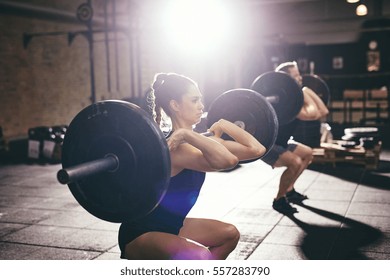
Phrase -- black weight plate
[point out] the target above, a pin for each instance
(141, 180)
(318, 85)
(250, 111)
(288, 94)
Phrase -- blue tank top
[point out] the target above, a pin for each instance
(182, 193)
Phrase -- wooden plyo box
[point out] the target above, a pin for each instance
(334, 152)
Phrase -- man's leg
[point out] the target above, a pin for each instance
(306, 155)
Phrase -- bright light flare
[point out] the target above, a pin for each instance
(197, 26)
(361, 10)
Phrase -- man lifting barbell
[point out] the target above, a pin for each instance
(288, 153)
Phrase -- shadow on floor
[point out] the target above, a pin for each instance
(379, 178)
(383, 167)
(336, 243)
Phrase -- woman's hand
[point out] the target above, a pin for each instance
(243, 145)
(176, 139)
(191, 150)
(216, 128)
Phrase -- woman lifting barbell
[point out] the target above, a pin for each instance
(166, 233)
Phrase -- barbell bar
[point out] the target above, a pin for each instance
(72, 174)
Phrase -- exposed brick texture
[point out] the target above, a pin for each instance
(49, 82)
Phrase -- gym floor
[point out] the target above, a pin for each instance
(347, 215)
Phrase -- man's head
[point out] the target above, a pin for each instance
(290, 68)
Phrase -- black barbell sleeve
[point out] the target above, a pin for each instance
(72, 174)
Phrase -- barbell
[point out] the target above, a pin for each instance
(285, 94)
(115, 158)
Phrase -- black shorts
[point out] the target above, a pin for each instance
(128, 233)
(273, 155)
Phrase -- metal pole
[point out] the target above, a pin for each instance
(116, 48)
(91, 59)
(106, 41)
(131, 54)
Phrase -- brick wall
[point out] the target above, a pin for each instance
(49, 82)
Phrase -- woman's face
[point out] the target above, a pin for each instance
(191, 106)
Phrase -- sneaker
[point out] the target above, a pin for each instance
(281, 205)
(295, 197)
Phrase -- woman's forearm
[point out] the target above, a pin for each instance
(217, 155)
(250, 146)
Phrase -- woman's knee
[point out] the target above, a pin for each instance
(232, 234)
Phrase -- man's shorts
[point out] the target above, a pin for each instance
(273, 155)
